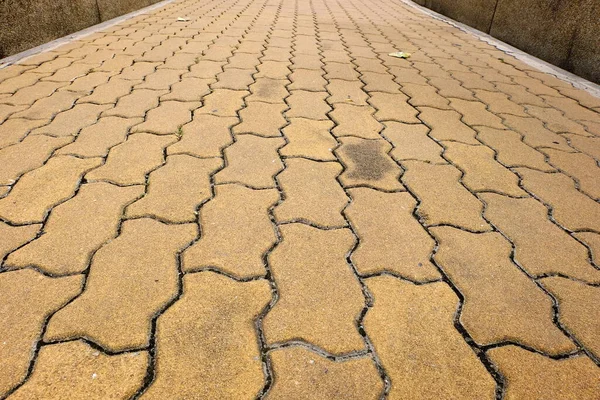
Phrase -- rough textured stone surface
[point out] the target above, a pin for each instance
(355, 121)
(446, 125)
(28, 298)
(319, 297)
(303, 374)
(419, 347)
(581, 167)
(309, 139)
(236, 232)
(411, 142)
(206, 341)
(119, 322)
(76, 229)
(205, 136)
(261, 119)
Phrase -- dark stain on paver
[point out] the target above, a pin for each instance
(368, 161)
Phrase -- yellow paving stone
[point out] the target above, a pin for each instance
(541, 247)
(375, 82)
(305, 104)
(116, 64)
(135, 104)
(139, 70)
(312, 193)
(15, 129)
(446, 125)
(576, 109)
(368, 163)
(340, 71)
(511, 151)
(571, 208)
(7, 110)
(167, 117)
(176, 189)
(520, 94)
(499, 103)
(579, 166)
(70, 122)
(162, 79)
(411, 142)
(535, 86)
(130, 279)
(501, 303)
(390, 239)
(252, 161)
(47, 107)
(481, 171)
(556, 121)
(129, 162)
(319, 296)
(309, 139)
(205, 136)
(39, 190)
(471, 80)
(188, 89)
(97, 139)
(223, 102)
(424, 96)
(532, 376)
(28, 95)
(206, 342)
(275, 70)
(592, 240)
(535, 134)
(355, 121)
(22, 80)
(307, 79)
(451, 88)
(205, 69)
(78, 371)
(307, 375)
(443, 199)
(261, 119)
(28, 299)
(37, 149)
(86, 83)
(588, 145)
(349, 92)
(393, 107)
(475, 113)
(75, 229)
(236, 232)
(577, 310)
(110, 92)
(412, 329)
(268, 90)
(243, 61)
(15, 236)
(234, 79)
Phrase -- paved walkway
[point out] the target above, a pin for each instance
(260, 201)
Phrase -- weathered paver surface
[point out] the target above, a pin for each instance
(257, 201)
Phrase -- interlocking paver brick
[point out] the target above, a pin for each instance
(446, 125)
(475, 113)
(25, 79)
(307, 375)
(306, 265)
(530, 375)
(86, 83)
(393, 107)
(577, 310)
(14, 237)
(439, 190)
(451, 88)
(139, 70)
(78, 371)
(579, 166)
(261, 119)
(161, 79)
(424, 96)
(46, 107)
(368, 163)
(268, 90)
(510, 149)
(129, 162)
(535, 134)
(571, 208)
(135, 104)
(188, 89)
(15, 129)
(355, 121)
(340, 71)
(252, 161)
(375, 82)
(205, 136)
(411, 142)
(28, 298)
(541, 247)
(499, 103)
(211, 329)
(588, 145)
(110, 92)
(236, 232)
(592, 240)
(38, 149)
(307, 79)
(121, 267)
(306, 61)
(576, 109)
(274, 70)
(378, 220)
(167, 117)
(349, 92)
(481, 171)
(205, 69)
(70, 122)
(75, 229)
(556, 121)
(28, 95)
(501, 302)
(309, 139)
(39, 190)
(312, 193)
(235, 79)
(305, 104)
(223, 102)
(412, 330)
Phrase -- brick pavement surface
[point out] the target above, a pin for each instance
(258, 201)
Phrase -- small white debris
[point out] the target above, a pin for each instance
(94, 375)
(183, 19)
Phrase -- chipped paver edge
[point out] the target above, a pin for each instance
(16, 58)
(577, 81)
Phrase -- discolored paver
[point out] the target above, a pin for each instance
(236, 232)
(423, 353)
(263, 202)
(310, 376)
(319, 297)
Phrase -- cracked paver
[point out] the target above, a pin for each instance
(259, 202)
